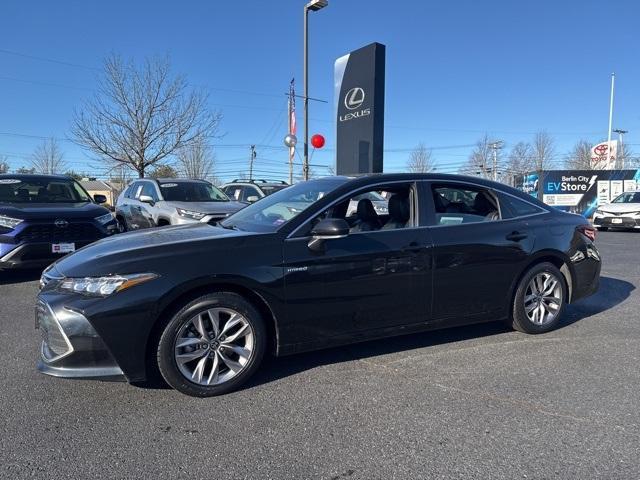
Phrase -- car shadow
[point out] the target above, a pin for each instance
(611, 292)
(19, 276)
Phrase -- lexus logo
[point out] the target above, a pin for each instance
(61, 223)
(354, 98)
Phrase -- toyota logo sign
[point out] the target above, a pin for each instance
(601, 149)
(61, 223)
(354, 98)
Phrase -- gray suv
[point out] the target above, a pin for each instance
(150, 202)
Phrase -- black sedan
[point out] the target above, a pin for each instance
(201, 304)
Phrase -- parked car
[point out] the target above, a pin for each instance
(172, 201)
(622, 212)
(252, 190)
(203, 304)
(43, 217)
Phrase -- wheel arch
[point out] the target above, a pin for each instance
(163, 221)
(167, 310)
(557, 258)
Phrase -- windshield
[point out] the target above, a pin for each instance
(270, 213)
(41, 190)
(191, 192)
(628, 197)
(269, 189)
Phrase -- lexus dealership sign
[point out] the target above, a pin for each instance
(359, 101)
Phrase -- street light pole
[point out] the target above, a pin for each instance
(495, 146)
(314, 6)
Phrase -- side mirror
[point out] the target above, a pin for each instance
(327, 229)
(252, 198)
(100, 198)
(146, 199)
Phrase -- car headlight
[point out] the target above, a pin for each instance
(103, 286)
(600, 212)
(632, 213)
(104, 219)
(9, 222)
(190, 214)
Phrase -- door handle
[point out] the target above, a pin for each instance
(516, 236)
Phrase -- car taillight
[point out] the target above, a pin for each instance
(588, 231)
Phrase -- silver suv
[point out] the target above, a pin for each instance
(150, 202)
(252, 190)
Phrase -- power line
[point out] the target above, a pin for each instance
(45, 59)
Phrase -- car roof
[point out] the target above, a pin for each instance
(35, 176)
(175, 180)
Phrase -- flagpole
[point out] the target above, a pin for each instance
(613, 79)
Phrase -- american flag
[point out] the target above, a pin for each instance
(292, 107)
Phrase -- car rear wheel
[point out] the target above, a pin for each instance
(540, 299)
(212, 345)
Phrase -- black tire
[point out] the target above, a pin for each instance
(603, 229)
(519, 319)
(166, 351)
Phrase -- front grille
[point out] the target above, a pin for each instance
(73, 232)
(55, 343)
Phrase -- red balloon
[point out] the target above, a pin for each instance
(317, 141)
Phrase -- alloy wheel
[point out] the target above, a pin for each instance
(214, 346)
(543, 298)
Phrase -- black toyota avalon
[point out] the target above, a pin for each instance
(201, 304)
(43, 217)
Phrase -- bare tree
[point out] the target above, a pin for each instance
(520, 160)
(4, 164)
(543, 150)
(580, 156)
(480, 160)
(47, 158)
(142, 115)
(196, 160)
(420, 160)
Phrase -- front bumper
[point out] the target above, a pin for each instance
(616, 221)
(32, 255)
(71, 348)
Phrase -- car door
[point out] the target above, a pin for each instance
(366, 281)
(145, 210)
(477, 252)
(131, 210)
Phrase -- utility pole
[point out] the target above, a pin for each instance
(495, 146)
(620, 137)
(252, 157)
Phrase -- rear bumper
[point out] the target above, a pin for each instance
(71, 348)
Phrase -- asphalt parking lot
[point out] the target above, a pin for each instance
(473, 402)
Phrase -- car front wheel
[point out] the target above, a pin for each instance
(540, 299)
(212, 345)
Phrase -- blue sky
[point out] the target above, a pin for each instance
(454, 69)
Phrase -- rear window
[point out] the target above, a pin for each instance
(41, 190)
(191, 192)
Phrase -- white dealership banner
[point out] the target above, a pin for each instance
(603, 191)
(630, 186)
(604, 155)
(616, 188)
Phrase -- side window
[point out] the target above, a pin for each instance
(514, 207)
(234, 192)
(137, 190)
(383, 207)
(149, 189)
(250, 192)
(459, 203)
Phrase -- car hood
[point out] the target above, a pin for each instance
(122, 252)
(210, 207)
(51, 211)
(620, 207)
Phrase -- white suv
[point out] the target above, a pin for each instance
(252, 190)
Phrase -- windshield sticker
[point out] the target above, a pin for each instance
(5, 181)
(168, 185)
